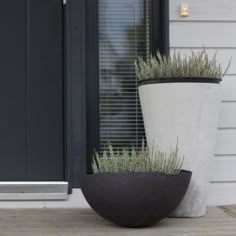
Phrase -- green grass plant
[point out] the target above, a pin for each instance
(131, 160)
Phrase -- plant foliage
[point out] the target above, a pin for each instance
(197, 64)
(144, 160)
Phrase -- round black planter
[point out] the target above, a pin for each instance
(135, 199)
(180, 80)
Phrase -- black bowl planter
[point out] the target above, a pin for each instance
(135, 199)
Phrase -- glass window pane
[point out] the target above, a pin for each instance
(123, 36)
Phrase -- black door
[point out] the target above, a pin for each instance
(31, 90)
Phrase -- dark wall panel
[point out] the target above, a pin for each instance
(45, 91)
(31, 90)
(12, 90)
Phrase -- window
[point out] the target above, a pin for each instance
(106, 37)
(124, 35)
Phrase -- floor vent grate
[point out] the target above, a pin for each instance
(33, 190)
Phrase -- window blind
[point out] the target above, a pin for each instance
(123, 36)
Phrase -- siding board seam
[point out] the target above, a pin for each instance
(222, 157)
(200, 47)
(203, 21)
(223, 182)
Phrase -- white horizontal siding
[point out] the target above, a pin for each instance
(226, 142)
(222, 193)
(227, 119)
(204, 10)
(229, 88)
(203, 34)
(212, 24)
(221, 163)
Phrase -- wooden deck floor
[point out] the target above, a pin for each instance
(219, 221)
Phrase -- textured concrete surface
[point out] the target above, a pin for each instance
(192, 116)
(219, 221)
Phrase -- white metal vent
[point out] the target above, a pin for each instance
(33, 190)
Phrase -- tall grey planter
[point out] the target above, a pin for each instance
(187, 109)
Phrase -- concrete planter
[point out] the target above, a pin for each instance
(186, 108)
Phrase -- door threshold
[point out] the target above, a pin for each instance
(33, 190)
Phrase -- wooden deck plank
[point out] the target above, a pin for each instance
(230, 210)
(84, 222)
